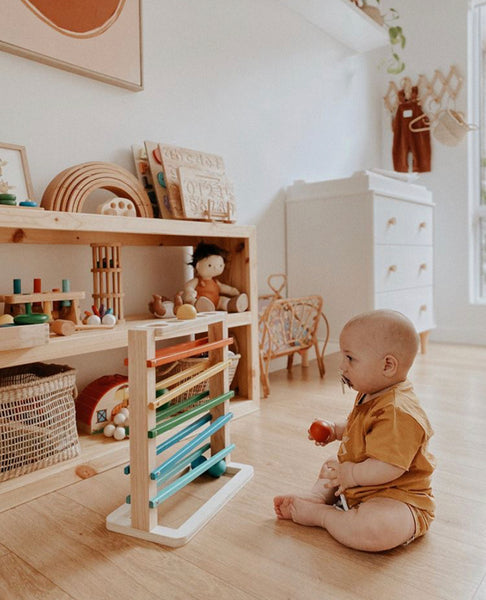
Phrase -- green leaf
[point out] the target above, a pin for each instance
(396, 36)
(396, 65)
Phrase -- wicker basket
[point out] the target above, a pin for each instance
(179, 365)
(37, 418)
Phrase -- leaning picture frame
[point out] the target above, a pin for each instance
(14, 174)
(100, 39)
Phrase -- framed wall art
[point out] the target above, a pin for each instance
(101, 39)
(15, 179)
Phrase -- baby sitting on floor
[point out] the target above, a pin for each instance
(382, 473)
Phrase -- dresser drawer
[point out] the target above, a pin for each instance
(400, 267)
(400, 222)
(417, 304)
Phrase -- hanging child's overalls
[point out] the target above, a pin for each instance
(405, 140)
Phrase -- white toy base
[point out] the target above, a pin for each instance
(120, 519)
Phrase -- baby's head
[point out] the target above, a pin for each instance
(378, 349)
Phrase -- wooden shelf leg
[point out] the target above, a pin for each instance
(424, 340)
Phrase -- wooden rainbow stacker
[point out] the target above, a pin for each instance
(202, 419)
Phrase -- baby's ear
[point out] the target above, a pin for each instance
(390, 365)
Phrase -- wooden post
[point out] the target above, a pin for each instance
(219, 385)
(141, 346)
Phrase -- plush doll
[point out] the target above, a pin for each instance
(205, 292)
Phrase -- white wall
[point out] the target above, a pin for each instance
(246, 79)
(436, 33)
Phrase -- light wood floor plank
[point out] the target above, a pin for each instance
(18, 581)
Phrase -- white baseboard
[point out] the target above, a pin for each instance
(452, 335)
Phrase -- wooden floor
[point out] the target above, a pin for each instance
(57, 546)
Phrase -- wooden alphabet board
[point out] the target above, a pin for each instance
(206, 195)
(172, 158)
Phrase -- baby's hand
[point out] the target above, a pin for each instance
(340, 475)
(321, 432)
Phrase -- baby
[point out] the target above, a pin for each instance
(382, 473)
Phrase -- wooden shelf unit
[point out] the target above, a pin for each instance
(33, 226)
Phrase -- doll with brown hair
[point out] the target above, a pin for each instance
(376, 494)
(206, 292)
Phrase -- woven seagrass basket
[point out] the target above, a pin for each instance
(37, 417)
(179, 365)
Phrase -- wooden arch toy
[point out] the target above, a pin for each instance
(69, 189)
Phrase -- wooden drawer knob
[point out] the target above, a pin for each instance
(392, 221)
(422, 225)
(423, 308)
(423, 267)
(392, 268)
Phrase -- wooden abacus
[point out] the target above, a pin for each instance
(107, 278)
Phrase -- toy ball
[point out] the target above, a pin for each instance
(217, 469)
(93, 320)
(186, 312)
(109, 430)
(119, 418)
(320, 431)
(119, 433)
(108, 319)
(198, 461)
(6, 319)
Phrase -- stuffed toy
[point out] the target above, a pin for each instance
(206, 292)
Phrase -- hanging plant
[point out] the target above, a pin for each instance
(397, 39)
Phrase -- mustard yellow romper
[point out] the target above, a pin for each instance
(391, 426)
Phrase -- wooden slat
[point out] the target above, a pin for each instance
(181, 351)
(189, 446)
(168, 409)
(182, 481)
(184, 374)
(188, 414)
(187, 385)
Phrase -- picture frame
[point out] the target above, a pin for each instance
(100, 39)
(14, 173)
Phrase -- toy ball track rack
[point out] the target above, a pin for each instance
(155, 413)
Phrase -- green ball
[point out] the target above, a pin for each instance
(198, 461)
(217, 469)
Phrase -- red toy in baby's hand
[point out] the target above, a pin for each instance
(320, 431)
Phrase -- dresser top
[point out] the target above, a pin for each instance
(359, 183)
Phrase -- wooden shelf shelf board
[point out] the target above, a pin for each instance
(343, 21)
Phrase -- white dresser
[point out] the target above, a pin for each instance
(363, 242)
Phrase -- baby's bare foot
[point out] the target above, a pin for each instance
(308, 513)
(282, 504)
